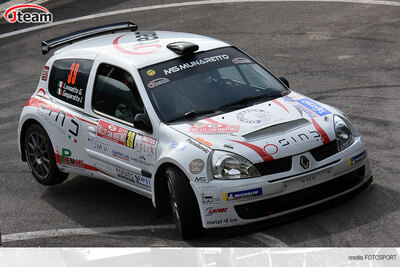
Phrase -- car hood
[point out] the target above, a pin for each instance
(278, 128)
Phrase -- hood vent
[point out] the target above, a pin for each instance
(276, 129)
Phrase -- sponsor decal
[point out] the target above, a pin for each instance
(201, 179)
(45, 73)
(143, 180)
(196, 166)
(311, 136)
(211, 211)
(157, 82)
(303, 109)
(146, 43)
(130, 139)
(120, 155)
(144, 147)
(222, 221)
(111, 132)
(199, 146)
(241, 60)
(14, 14)
(195, 63)
(126, 175)
(71, 162)
(69, 92)
(149, 140)
(97, 145)
(151, 72)
(208, 187)
(209, 199)
(242, 194)
(308, 179)
(201, 140)
(314, 107)
(213, 128)
(131, 177)
(142, 160)
(253, 116)
(62, 120)
(356, 159)
(270, 149)
(177, 146)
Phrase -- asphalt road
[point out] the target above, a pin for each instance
(343, 54)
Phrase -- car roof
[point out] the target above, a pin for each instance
(141, 48)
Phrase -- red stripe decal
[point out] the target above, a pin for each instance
(324, 136)
(212, 121)
(86, 121)
(280, 104)
(257, 149)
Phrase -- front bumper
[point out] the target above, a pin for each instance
(238, 202)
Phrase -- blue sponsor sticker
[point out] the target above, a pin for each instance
(356, 159)
(314, 107)
(242, 194)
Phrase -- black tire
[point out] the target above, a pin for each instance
(185, 209)
(40, 157)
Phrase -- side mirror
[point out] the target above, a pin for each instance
(285, 81)
(142, 122)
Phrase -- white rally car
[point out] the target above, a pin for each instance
(189, 121)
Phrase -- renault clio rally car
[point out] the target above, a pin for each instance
(189, 121)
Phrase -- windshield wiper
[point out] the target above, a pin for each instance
(251, 98)
(192, 114)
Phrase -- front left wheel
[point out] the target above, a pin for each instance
(40, 157)
(185, 209)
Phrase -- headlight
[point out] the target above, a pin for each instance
(227, 165)
(343, 134)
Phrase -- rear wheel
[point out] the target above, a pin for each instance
(40, 157)
(185, 209)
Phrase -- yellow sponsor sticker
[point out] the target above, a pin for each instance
(151, 72)
(130, 139)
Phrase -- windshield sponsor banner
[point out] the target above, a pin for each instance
(242, 194)
(312, 106)
(183, 67)
(195, 63)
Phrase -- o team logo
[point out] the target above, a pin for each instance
(14, 14)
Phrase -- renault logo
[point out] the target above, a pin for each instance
(304, 162)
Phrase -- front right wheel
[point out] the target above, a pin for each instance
(185, 209)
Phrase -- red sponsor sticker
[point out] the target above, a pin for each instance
(210, 128)
(45, 73)
(149, 140)
(112, 132)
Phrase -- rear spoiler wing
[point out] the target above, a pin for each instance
(78, 35)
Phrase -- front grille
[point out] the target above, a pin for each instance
(325, 151)
(300, 198)
(274, 166)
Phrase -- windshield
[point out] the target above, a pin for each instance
(208, 82)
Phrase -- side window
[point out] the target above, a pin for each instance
(68, 80)
(231, 73)
(252, 72)
(115, 93)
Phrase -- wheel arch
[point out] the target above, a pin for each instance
(24, 128)
(160, 189)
